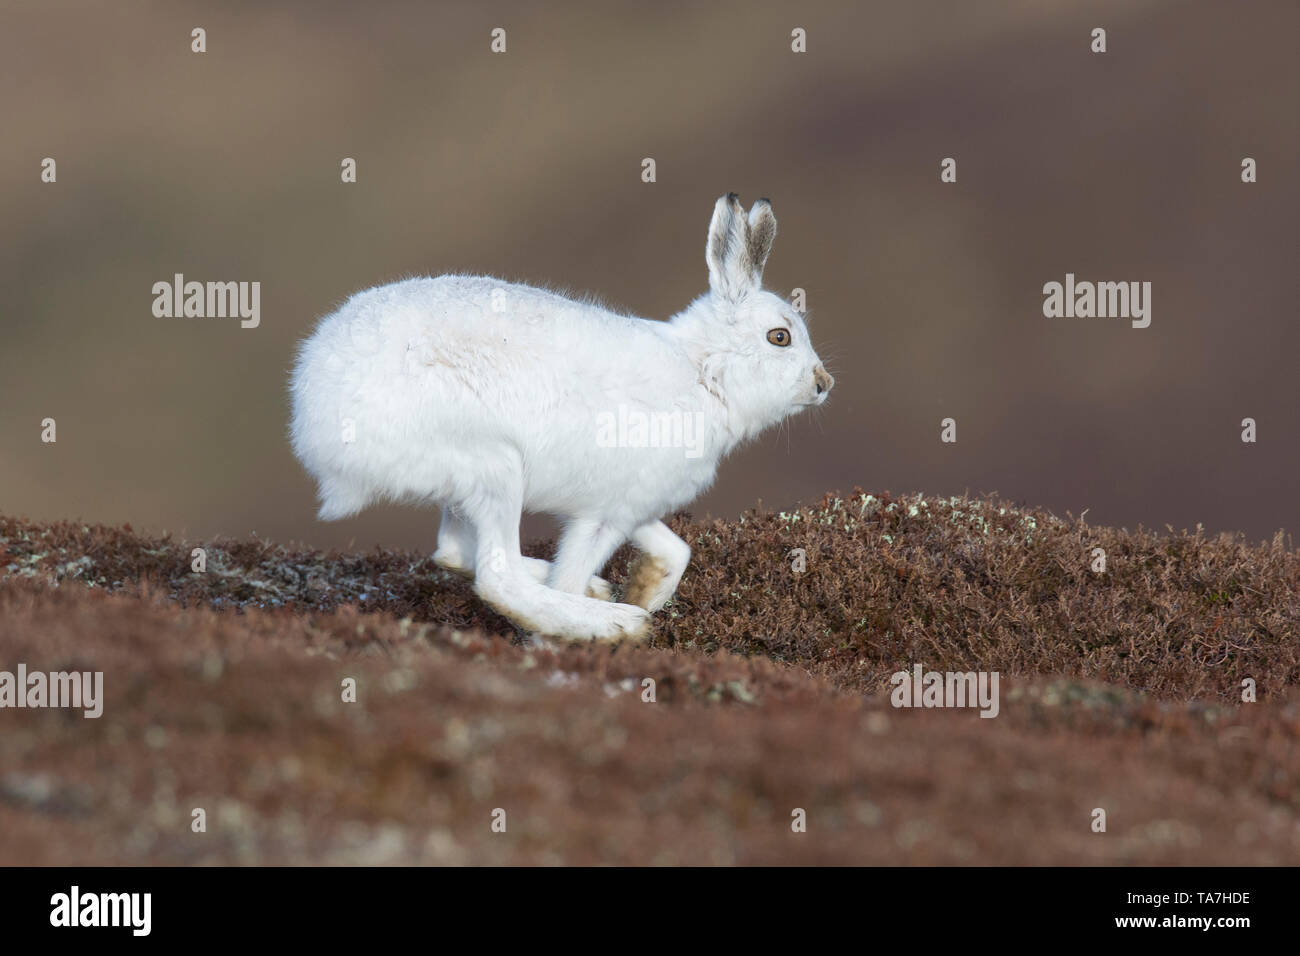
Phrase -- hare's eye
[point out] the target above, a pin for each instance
(779, 337)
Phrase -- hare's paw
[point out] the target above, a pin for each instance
(621, 622)
(533, 607)
(455, 552)
(595, 620)
(454, 562)
(655, 575)
(597, 587)
(652, 582)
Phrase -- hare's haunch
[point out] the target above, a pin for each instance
(489, 399)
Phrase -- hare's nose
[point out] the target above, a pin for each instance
(822, 379)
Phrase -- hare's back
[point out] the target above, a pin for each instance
(521, 338)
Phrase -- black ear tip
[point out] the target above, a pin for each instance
(733, 197)
(766, 201)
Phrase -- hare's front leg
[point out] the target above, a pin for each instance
(585, 546)
(655, 576)
(456, 547)
(502, 580)
(597, 587)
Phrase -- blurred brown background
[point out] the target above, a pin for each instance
(926, 298)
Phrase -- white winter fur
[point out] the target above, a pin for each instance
(489, 399)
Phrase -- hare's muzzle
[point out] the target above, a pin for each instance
(823, 380)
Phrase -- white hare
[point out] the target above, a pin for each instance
(489, 399)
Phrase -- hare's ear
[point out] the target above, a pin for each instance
(731, 273)
(762, 233)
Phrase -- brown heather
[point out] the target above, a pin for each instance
(1119, 690)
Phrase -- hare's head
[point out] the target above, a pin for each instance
(754, 347)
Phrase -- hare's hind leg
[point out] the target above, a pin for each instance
(502, 580)
(656, 575)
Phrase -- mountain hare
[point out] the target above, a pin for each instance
(488, 399)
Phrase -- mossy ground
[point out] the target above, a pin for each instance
(1120, 690)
